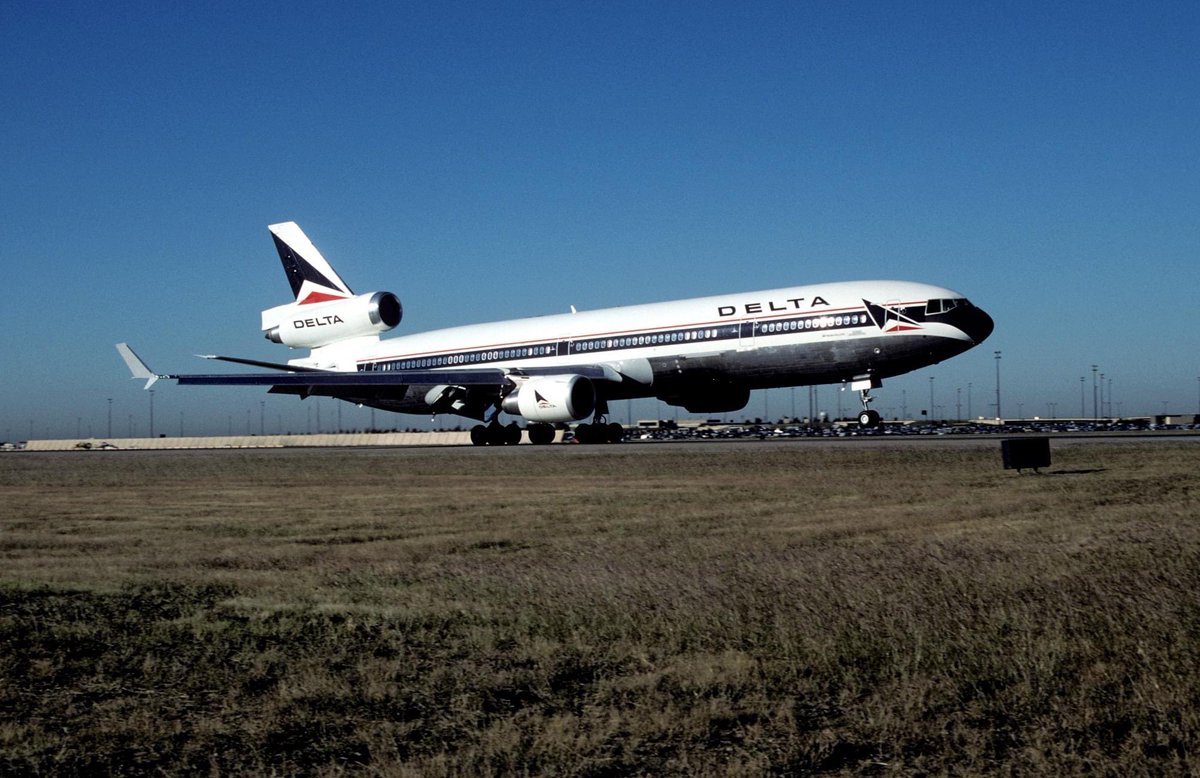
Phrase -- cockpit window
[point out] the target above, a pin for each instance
(933, 307)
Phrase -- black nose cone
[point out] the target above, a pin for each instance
(977, 324)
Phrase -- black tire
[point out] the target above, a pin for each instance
(495, 434)
(614, 433)
(868, 419)
(540, 434)
(512, 434)
(479, 436)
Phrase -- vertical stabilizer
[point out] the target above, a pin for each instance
(313, 280)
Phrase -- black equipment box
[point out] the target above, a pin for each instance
(1022, 453)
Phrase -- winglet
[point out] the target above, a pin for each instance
(137, 366)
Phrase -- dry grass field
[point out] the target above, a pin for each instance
(743, 609)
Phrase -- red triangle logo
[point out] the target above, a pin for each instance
(320, 297)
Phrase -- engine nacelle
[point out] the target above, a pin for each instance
(551, 399)
(320, 324)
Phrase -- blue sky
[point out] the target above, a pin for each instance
(489, 161)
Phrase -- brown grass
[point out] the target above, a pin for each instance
(732, 609)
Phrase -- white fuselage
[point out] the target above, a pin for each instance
(791, 336)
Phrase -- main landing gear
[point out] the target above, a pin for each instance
(496, 434)
(599, 432)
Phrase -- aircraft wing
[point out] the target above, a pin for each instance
(290, 375)
(488, 377)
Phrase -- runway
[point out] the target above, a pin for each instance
(463, 439)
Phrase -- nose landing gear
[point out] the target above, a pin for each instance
(867, 418)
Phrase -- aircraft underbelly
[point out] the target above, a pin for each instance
(829, 361)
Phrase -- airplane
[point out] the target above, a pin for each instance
(703, 354)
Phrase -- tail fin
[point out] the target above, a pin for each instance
(311, 277)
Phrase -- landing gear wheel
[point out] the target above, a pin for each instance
(868, 419)
(495, 434)
(512, 434)
(540, 434)
(599, 432)
(479, 435)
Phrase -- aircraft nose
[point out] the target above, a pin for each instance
(977, 324)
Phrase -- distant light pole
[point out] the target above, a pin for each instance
(958, 403)
(1095, 401)
(904, 403)
(932, 416)
(262, 417)
(1052, 407)
(1110, 403)
(1082, 407)
(999, 415)
(970, 413)
(1102, 413)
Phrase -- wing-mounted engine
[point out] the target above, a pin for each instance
(312, 325)
(552, 399)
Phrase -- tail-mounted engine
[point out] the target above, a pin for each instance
(313, 325)
(552, 399)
